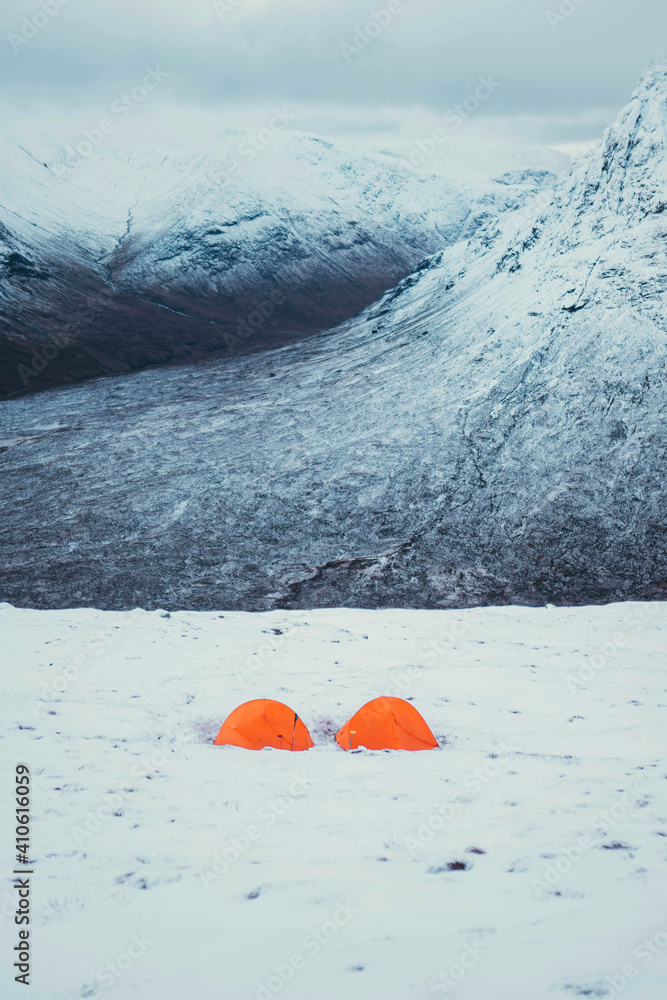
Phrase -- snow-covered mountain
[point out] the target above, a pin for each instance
(120, 259)
(491, 431)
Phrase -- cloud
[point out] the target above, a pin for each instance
(325, 54)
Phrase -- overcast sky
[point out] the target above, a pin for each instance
(556, 78)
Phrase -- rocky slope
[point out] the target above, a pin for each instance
(492, 430)
(121, 259)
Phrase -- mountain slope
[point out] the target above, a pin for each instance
(125, 259)
(491, 431)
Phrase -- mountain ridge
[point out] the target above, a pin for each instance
(133, 258)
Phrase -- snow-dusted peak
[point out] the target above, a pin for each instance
(627, 174)
(133, 257)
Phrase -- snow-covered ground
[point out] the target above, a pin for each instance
(168, 868)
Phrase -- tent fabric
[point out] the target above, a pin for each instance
(386, 724)
(264, 723)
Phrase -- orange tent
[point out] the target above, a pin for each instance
(264, 723)
(386, 724)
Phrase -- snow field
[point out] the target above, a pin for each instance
(524, 859)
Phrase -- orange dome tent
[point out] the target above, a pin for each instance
(264, 723)
(386, 724)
